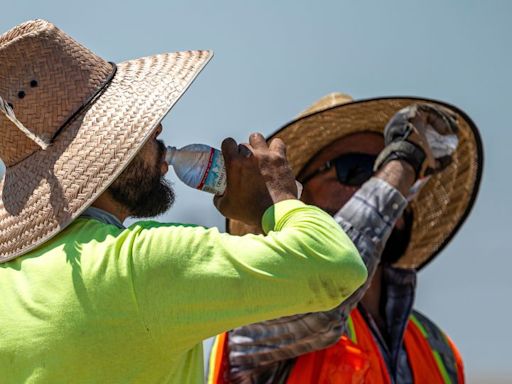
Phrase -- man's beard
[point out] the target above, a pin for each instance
(142, 189)
(398, 240)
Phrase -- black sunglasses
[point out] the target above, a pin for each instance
(351, 169)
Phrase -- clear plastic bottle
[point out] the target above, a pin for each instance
(199, 166)
(202, 167)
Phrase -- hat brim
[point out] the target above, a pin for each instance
(45, 192)
(445, 201)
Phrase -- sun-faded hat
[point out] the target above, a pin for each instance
(70, 122)
(442, 205)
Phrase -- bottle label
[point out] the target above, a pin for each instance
(214, 177)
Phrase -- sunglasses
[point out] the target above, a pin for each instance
(351, 169)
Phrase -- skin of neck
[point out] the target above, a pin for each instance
(371, 300)
(108, 204)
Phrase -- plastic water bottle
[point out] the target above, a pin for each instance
(202, 167)
(199, 166)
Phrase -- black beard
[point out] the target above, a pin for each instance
(142, 189)
(398, 240)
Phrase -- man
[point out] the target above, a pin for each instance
(85, 300)
(334, 148)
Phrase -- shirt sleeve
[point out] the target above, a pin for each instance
(191, 283)
(368, 219)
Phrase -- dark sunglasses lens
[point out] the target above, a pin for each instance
(354, 168)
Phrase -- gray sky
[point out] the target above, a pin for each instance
(274, 58)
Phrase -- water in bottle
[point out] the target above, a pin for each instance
(199, 166)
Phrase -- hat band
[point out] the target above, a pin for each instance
(89, 101)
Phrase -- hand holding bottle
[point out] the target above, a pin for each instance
(258, 176)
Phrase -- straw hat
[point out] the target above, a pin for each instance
(444, 202)
(70, 122)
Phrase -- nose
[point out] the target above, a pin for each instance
(158, 130)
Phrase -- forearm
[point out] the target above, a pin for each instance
(369, 218)
(399, 175)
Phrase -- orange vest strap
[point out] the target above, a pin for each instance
(421, 359)
(443, 352)
(458, 359)
(218, 364)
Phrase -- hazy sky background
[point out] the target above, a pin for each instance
(274, 58)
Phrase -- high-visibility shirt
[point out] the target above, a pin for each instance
(102, 304)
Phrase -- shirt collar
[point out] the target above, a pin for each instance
(103, 216)
(400, 277)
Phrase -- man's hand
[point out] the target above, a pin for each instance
(424, 135)
(258, 176)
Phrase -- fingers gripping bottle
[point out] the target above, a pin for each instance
(199, 166)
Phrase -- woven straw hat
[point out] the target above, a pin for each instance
(444, 202)
(70, 122)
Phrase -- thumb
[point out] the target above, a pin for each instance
(229, 149)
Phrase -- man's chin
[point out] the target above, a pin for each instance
(147, 213)
(155, 203)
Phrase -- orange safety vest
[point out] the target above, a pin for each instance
(356, 357)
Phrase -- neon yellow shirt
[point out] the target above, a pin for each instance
(100, 304)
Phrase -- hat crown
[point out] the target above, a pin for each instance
(333, 99)
(45, 76)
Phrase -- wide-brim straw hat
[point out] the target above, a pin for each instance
(444, 202)
(71, 123)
